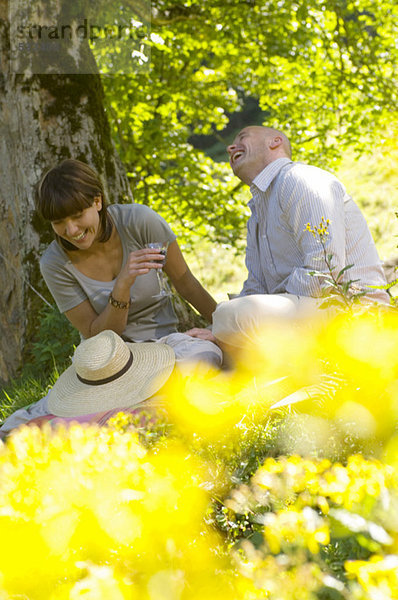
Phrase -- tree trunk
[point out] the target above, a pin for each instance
(43, 119)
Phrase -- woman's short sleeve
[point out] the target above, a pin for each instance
(64, 287)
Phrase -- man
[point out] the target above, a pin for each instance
(281, 252)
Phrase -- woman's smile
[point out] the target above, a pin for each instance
(78, 238)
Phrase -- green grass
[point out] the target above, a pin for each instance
(24, 391)
(373, 183)
(219, 269)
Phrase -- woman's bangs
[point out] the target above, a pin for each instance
(59, 206)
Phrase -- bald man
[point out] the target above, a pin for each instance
(281, 252)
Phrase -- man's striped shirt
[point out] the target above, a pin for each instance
(281, 252)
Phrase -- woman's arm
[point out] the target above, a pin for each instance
(186, 284)
(89, 323)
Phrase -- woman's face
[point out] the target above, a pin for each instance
(81, 229)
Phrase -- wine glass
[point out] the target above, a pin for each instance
(162, 246)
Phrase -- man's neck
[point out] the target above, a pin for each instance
(252, 176)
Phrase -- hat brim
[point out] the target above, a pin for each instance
(152, 365)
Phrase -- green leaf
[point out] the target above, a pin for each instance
(343, 270)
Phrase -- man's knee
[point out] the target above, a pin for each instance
(241, 316)
(250, 311)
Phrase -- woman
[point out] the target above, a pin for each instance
(100, 271)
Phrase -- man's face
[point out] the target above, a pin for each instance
(249, 153)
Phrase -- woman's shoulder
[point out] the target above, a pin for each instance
(53, 254)
(54, 262)
(126, 210)
(140, 224)
(132, 214)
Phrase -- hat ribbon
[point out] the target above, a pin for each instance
(116, 375)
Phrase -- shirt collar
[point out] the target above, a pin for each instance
(264, 179)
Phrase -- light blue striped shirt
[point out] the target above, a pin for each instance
(281, 252)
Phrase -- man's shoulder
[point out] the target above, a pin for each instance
(307, 175)
(298, 168)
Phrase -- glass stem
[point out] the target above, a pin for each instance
(159, 273)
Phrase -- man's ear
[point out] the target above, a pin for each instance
(275, 142)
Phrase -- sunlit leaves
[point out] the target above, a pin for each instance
(324, 72)
(305, 510)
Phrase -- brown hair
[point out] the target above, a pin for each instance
(68, 189)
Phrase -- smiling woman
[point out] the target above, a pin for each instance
(65, 192)
(80, 229)
(100, 270)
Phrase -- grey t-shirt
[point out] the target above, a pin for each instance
(149, 318)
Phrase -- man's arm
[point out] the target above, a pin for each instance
(320, 195)
(255, 283)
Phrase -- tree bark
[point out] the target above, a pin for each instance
(43, 119)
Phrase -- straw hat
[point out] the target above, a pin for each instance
(109, 373)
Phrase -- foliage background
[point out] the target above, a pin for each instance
(324, 72)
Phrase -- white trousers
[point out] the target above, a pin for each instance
(190, 351)
(236, 321)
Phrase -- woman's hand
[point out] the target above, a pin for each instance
(202, 334)
(89, 323)
(139, 262)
